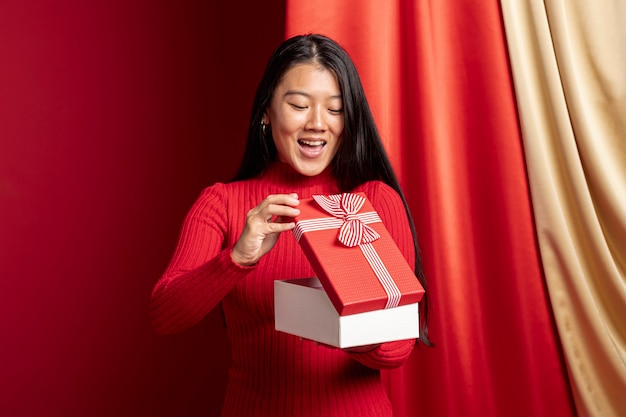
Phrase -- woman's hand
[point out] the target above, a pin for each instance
(263, 225)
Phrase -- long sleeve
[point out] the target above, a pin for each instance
(201, 271)
(388, 205)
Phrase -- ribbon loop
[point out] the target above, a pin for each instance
(353, 230)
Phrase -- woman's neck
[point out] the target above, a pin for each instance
(283, 175)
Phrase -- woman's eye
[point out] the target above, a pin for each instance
(295, 106)
(336, 111)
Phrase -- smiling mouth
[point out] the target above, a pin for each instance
(312, 143)
(311, 149)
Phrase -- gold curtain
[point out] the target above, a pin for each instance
(568, 62)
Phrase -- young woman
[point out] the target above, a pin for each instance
(311, 132)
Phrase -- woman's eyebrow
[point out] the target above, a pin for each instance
(296, 93)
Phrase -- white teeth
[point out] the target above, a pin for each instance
(312, 142)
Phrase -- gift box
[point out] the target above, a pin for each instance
(303, 309)
(360, 268)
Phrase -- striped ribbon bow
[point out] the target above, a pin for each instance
(353, 231)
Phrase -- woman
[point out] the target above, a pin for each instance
(311, 132)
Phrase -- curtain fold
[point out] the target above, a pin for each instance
(437, 77)
(569, 65)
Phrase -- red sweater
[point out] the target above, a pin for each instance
(273, 373)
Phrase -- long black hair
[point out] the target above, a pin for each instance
(361, 156)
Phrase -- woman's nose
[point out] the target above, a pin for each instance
(316, 119)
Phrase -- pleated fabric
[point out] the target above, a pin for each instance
(569, 66)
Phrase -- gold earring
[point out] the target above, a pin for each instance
(263, 126)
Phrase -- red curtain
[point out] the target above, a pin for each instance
(437, 76)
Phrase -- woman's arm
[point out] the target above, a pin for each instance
(205, 267)
(201, 271)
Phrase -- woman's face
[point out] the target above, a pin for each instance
(306, 118)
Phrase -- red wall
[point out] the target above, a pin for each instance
(113, 116)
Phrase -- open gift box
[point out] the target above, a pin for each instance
(365, 291)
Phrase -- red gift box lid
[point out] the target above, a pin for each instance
(366, 271)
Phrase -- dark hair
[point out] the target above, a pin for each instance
(361, 156)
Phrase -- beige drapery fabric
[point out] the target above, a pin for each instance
(568, 62)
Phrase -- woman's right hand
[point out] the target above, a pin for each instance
(263, 225)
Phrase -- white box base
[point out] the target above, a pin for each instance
(302, 308)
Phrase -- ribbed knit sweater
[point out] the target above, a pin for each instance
(273, 373)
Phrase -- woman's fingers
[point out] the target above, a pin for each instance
(268, 214)
(263, 225)
(278, 205)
